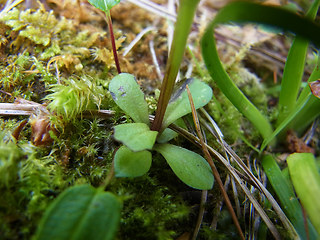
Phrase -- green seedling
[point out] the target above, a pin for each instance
(134, 158)
(106, 6)
(138, 138)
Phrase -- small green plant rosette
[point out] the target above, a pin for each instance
(131, 164)
(305, 177)
(189, 167)
(136, 136)
(179, 104)
(79, 213)
(127, 94)
(104, 5)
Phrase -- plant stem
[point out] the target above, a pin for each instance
(113, 43)
(183, 24)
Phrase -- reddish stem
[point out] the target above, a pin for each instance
(114, 49)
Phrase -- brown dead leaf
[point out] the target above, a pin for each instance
(315, 88)
(296, 144)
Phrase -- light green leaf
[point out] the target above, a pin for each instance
(169, 134)
(131, 164)
(286, 195)
(190, 167)
(136, 136)
(166, 136)
(80, 213)
(306, 181)
(127, 94)
(104, 5)
(179, 103)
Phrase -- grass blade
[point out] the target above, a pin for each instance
(306, 181)
(250, 12)
(293, 70)
(286, 121)
(288, 199)
(183, 24)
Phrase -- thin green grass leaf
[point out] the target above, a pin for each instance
(187, 9)
(286, 122)
(242, 12)
(288, 199)
(294, 70)
(306, 181)
(292, 76)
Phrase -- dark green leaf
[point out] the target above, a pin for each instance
(81, 213)
(128, 96)
(136, 136)
(190, 167)
(104, 5)
(131, 164)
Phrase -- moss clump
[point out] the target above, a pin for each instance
(150, 210)
(29, 180)
(75, 96)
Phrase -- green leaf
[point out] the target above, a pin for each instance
(131, 164)
(81, 212)
(169, 134)
(104, 5)
(294, 70)
(285, 193)
(190, 167)
(136, 136)
(306, 181)
(179, 104)
(127, 94)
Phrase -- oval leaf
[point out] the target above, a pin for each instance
(104, 5)
(179, 103)
(127, 94)
(81, 212)
(131, 164)
(190, 167)
(136, 136)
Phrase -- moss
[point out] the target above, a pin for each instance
(74, 96)
(28, 176)
(150, 211)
